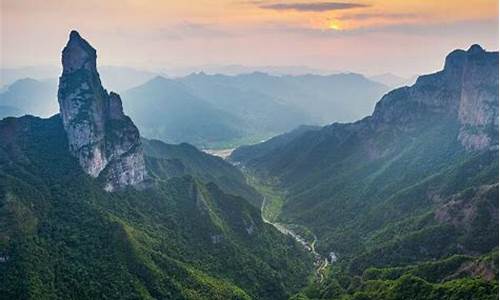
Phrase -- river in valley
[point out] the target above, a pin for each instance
(320, 262)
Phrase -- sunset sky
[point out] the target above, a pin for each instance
(369, 36)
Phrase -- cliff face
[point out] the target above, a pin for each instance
(478, 108)
(105, 141)
(466, 90)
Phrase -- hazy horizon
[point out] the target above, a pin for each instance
(210, 69)
(368, 37)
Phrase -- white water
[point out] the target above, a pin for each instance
(319, 262)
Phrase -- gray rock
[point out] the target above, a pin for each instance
(466, 91)
(105, 141)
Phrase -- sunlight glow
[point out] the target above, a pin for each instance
(334, 25)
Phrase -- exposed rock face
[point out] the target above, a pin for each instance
(466, 90)
(105, 141)
(462, 209)
(478, 110)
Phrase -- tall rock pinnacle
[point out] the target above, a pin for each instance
(105, 141)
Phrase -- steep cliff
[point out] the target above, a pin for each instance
(105, 141)
(465, 90)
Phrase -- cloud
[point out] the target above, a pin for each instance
(448, 29)
(312, 6)
(388, 16)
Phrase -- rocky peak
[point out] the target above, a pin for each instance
(466, 90)
(458, 60)
(115, 109)
(78, 54)
(476, 49)
(105, 141)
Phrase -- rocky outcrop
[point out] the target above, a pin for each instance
(462, 209)
(105, 141)
(466, 90)
(478, 109)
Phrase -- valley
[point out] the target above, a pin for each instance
(222, 153)
(320, 262)
(411, 188)
(272, 201)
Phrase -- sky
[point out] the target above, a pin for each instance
(404, 37)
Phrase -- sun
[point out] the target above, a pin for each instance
(334, 25)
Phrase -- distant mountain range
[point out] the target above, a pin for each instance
(236, 69)
(29, 96)
(225, 111)
(406, 197)
(117, 78)
(33, 90)
(120, 78)
(217, 111)
(393, 81)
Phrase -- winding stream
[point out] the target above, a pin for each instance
(319, 262)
